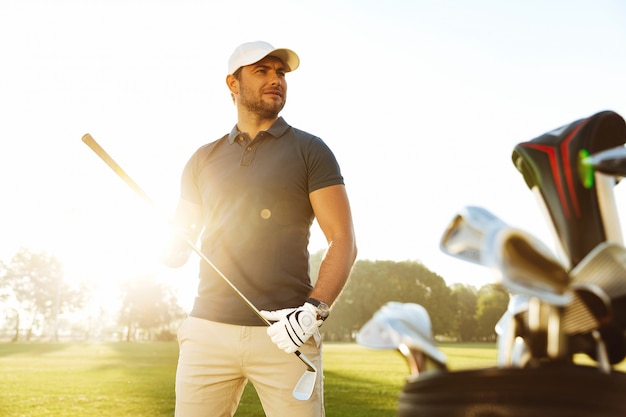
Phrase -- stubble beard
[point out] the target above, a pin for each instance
(256, 105)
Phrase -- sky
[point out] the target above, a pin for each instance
(421, 101)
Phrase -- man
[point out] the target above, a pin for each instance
(251, 196)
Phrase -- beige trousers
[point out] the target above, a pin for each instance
(216, 361)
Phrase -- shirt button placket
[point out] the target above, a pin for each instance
(248, 155)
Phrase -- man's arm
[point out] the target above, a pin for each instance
(332, 210)
(294, 326)
(186, 224)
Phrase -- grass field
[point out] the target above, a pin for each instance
(137, 379)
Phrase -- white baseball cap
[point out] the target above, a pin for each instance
(251, 52)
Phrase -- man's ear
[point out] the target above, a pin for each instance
(233, 84)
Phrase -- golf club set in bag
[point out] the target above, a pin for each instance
(561, 306)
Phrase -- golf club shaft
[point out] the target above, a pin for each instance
(106, 158)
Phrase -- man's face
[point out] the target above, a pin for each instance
(263, 88)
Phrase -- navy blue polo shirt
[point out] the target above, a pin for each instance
(257, 216)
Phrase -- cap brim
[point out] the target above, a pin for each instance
(289, 58)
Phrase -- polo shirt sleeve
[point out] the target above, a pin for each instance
(324, 169)
(189, 189)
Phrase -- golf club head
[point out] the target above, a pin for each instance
(419, 362)
(604, 267)
(464, 236)
(589, 309)
(406, 327)
(378, 334)
(306, 384)
(589, 323)
(524, 265)
(604, 271)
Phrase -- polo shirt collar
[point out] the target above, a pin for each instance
(277, 129)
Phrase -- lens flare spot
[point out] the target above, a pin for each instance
(266, 214)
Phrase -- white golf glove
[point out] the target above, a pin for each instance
(293, 326)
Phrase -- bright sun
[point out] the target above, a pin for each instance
(107, 244)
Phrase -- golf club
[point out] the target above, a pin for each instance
(520, 356)
(602, 355)
(602, 273)
(610, 161)
(304, 388)
(406, 327)
(508, 329)
(584, 322)
(604, 267)
(524, 265)
(465, 235)
(605, 185)
(589, 309)
(602, 169)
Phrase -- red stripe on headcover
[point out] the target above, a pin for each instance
(567, 166)
(554, 166)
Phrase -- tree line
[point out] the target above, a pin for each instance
(457, 312)
(37, 303)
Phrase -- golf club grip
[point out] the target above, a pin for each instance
(107, 159)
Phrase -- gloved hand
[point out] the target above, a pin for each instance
(293, 326)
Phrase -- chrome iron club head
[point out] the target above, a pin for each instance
(524, 265)
(407, 328)
(464, 236)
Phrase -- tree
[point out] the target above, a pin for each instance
(491, 305)
(34, 282)
(465, 300)
(373, 284)
(148, 306)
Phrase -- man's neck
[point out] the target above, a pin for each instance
(253, 124)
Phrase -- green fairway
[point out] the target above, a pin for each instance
(71, 380)
(137, 379)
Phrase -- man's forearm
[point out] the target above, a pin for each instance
(334, 270)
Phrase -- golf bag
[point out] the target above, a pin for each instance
(573, 391)
(578, 204)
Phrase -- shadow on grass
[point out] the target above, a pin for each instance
(30, 348)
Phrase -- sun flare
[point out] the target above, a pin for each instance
(104, 245)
